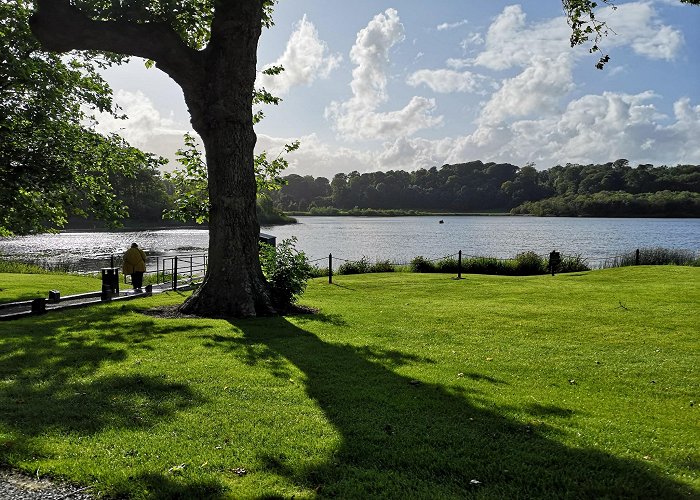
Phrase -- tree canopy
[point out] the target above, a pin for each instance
(53, 165)
(477, 187)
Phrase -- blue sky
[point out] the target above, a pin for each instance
(371, 85)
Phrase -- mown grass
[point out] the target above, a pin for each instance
(403, 386)
(16, 286)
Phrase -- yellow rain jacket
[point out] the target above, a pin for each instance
(134, 261)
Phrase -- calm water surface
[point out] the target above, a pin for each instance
(401, 238)
(398, 239)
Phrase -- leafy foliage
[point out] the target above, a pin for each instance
(146, 193)
(190, 20)
(191, 200)
(286, 269)
(52, 165)
(268, 171)
(420, 264)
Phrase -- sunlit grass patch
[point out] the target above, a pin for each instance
(18, 286)
(403, 385)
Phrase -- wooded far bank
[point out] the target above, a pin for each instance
(609, 190)
(613, 189)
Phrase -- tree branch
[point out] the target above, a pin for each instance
(61, 27)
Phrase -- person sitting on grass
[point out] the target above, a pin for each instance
(135, 265)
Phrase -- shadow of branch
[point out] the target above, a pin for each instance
(400, 438)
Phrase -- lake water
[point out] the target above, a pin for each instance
(398, 239)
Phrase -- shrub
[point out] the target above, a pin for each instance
(286, 270)
(422, 265)
(573, 264)
(382, 266)
(319, 272)
(486, 265)
(446, 265)
(354, 267)
(654, 257)
(529, 263)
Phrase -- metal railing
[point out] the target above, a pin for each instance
(175, 271)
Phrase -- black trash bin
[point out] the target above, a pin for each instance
(110, 282)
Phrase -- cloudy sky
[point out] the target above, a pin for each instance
(371, 85)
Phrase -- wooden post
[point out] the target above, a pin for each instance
(459, 265)
(636, 257)
(330, 268)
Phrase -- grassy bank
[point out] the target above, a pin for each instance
(404, 385)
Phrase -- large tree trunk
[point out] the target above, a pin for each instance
(217, 83)
(221, 110)
(234, 284)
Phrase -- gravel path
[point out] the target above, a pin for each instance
(16, 486)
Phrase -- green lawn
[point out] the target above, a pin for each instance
(403, 386)
(15, 286)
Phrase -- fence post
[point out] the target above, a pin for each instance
(111, 260)
(175, 273)
(330, 268)
(636, 257)
(459, 265)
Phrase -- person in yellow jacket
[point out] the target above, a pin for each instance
(135, 265)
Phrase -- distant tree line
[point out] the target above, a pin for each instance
(147, 194)
(610, 189)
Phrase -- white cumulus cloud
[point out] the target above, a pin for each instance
(511, 42)
(450, 26)
(446, 81)
(317, 157)
(539, 89)
(358, 117)
(591, 129)
(305, 59)
(145, 127)
(637, 24)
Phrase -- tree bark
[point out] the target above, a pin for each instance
(218, 84)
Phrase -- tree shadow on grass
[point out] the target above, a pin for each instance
(49, 380)
(418, 440)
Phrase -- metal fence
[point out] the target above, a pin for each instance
(172, 271)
